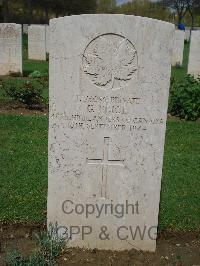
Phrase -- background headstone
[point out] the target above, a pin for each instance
(25, 28)
(177, 55)
(37, 42)
(187, 35)
(47, 38)
(10, 48)
(194, 54)
(109, 83)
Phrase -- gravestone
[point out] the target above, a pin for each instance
(177, 55)
(37, 42)
(47, 38)
(25, 28)
(187, 35)
(10, 48)
(194, 55)
(109, 83)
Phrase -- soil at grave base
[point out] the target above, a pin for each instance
(172, 249)
(16, 108)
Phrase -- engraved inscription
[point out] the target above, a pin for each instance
(110, 60)
(112, 113)
(105, 162)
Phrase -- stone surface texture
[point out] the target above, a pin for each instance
(10, 48)
(109, 85)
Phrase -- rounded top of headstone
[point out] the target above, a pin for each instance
(8, 30)
(114, 16)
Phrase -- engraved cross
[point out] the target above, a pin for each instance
(105, 162)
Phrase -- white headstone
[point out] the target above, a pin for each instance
(187, 35)
(194, 55)
(25, 28)
(37, 42)
(177, 56)
(109, 82)
(47, 38)
(10, 48)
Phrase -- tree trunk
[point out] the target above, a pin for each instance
(192, 21)
(46, 15)
(192, 18)
(180, 18)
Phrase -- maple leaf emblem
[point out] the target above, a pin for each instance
(110, 58)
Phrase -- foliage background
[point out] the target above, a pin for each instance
(40, 11)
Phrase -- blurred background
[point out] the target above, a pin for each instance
(40, 11)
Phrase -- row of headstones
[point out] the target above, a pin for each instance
(11, 46)
(194, 55)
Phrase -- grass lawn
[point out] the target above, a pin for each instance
(31, 65)
(23, 172)
(180, 196)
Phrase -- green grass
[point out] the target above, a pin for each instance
(23, 172)
(31, 65)
(180, 197)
